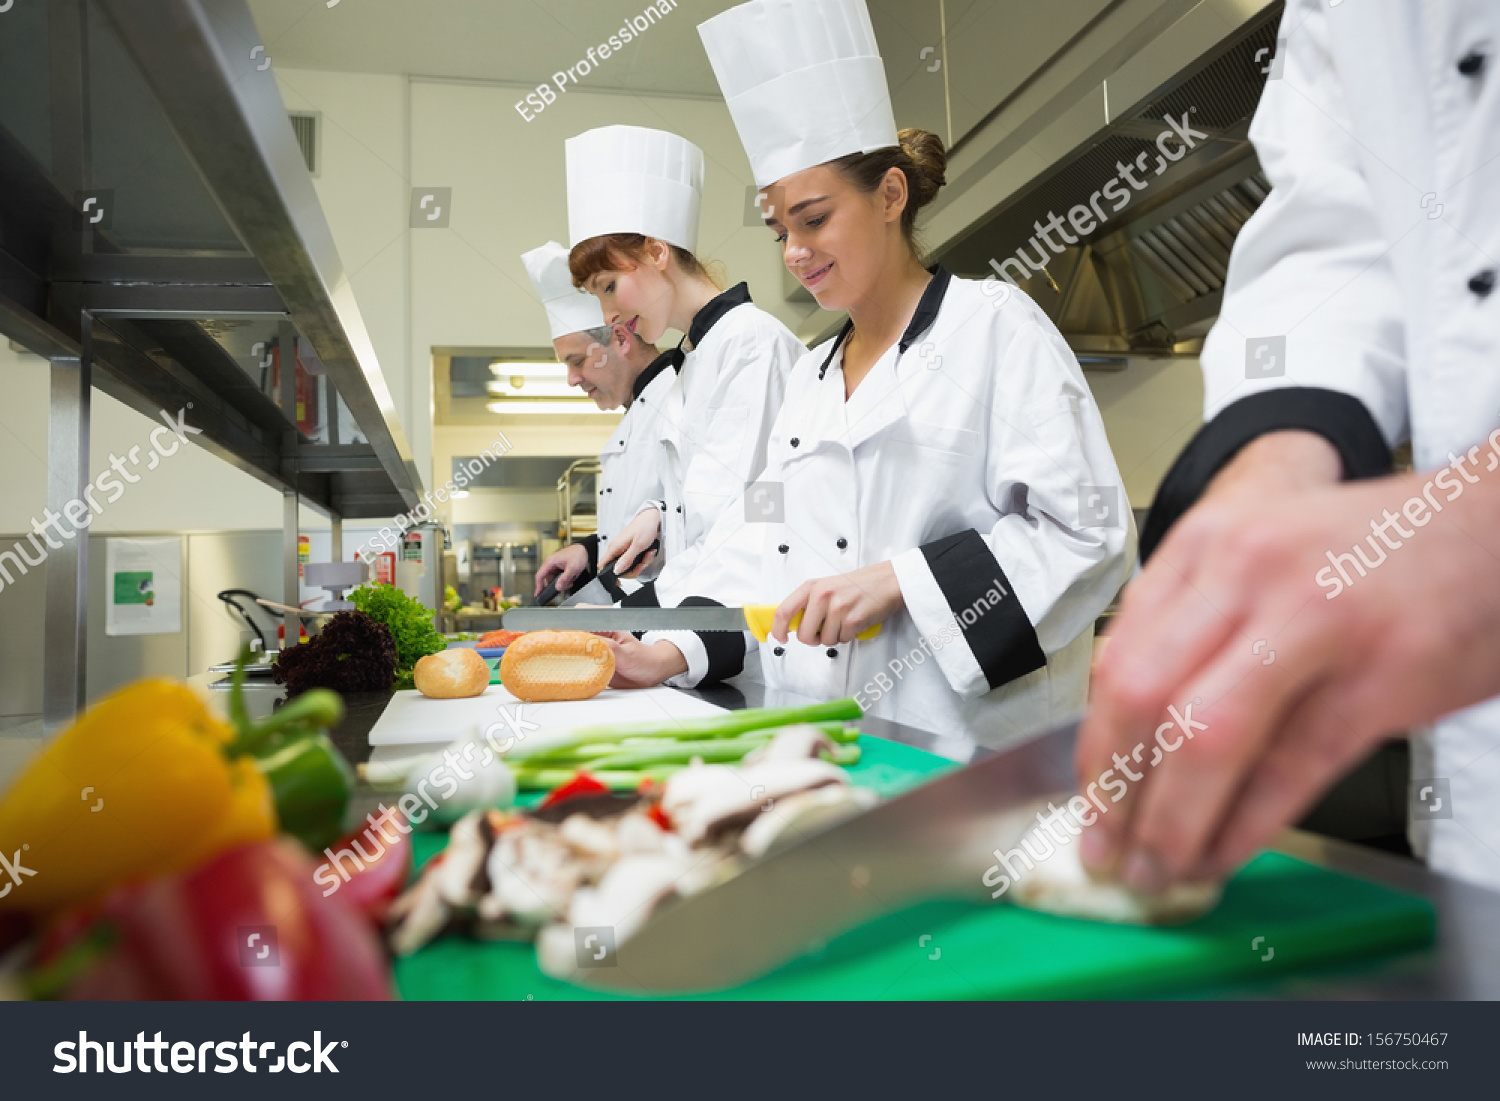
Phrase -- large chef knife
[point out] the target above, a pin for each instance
(936, 840)
(755, 618)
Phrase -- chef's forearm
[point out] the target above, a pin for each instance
(1279, 463)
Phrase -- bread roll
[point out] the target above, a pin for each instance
(556, 665)
(452, 674)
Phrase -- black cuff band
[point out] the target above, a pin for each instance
(1338, 417)
(995, 626)
(590, 543)
(726, 649)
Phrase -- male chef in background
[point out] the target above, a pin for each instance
(616, 368)
(1302, 602)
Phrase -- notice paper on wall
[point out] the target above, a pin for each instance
(143, 586)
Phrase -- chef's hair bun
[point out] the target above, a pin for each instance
(923, 160)
(452, 674)
(556, 665)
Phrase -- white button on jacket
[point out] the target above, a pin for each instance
(973, 457)
(1374, 257)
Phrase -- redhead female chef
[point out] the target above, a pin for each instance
(633, 200)
(938, 468)
(615, 368)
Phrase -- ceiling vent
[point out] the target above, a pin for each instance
(308, 127)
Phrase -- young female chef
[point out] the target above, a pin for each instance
(941, 467)
(633, 201)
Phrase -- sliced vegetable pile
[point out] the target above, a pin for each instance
(619, 758)
(589, 858)
(408, 620)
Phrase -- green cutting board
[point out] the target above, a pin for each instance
(1278, 915)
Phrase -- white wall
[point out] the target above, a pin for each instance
(191, 490)
(1151, 409)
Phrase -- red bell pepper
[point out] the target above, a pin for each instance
(249, 925)
(580, 784)
(375, 886)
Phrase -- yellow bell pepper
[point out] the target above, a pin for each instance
(139, 786)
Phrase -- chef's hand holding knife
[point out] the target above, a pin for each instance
(1287, 687)
(567, 564)
(633, 545)
(836, 609)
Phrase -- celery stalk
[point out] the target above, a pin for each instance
(735, 724)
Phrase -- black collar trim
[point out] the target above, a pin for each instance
(717, 307)
(928, 307)
(672, 358)
(927, 311)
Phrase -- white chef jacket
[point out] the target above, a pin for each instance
(712, 426)
(972, 457)
(631, 460)
(1373, 256)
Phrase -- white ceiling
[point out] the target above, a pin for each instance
(992, 44)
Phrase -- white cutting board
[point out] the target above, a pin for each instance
(412, 718)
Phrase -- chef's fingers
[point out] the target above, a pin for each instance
(1200, 758)
(787, 610)
(544, 575)
(636, 570)
(1315, 746)
(810, 630)
(1130, 696)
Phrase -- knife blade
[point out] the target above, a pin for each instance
(755, 618)
(933, 841)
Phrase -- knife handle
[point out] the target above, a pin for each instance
(758, 619)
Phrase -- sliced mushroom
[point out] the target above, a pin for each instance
(798, 742)
(714, 800)
(795, 817)
(1061, 885)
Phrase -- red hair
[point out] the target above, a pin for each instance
(622, 252)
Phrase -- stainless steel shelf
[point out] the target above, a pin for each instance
(161, 239)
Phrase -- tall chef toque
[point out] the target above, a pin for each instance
(804, 82)
(569, 310)
(628, 179)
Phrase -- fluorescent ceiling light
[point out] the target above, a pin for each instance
(503, 367)
(532, 388)
(551, 408)
(459, 494)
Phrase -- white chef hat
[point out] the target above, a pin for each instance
(569, 310)
(628, 179)
(804, 82)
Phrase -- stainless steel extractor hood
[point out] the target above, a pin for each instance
(1147, 278)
